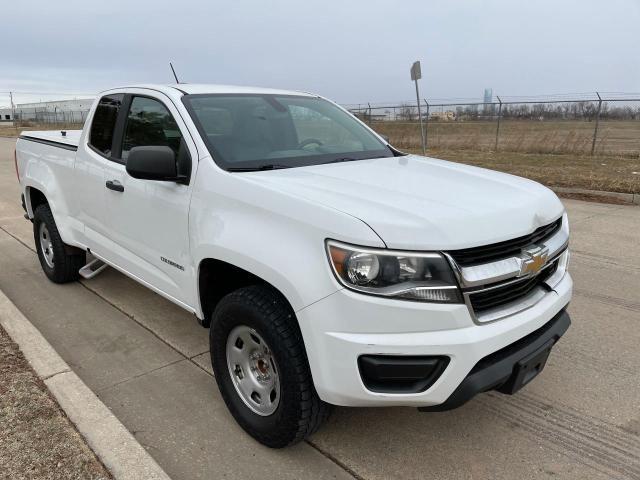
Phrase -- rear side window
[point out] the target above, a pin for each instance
(104, 122)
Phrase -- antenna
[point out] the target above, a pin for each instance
(174, 72)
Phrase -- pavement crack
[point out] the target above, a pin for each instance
(109, 387)
(17, 239)
(66, 370)
(333, 459)
(198, 354)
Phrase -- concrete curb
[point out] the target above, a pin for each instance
(118, 450)
(632, 198)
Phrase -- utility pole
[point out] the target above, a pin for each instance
(416, 74)
(13, 107)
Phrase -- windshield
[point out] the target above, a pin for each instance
(247, 132)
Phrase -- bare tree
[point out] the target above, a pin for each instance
(407, 112)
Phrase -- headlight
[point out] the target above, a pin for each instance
(425, 277)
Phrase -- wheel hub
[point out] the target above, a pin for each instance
(46, 246)
(253, 370)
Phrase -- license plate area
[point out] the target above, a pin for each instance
(527, 368)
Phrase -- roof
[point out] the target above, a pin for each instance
(195, 88)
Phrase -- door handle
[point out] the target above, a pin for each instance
(115, 185)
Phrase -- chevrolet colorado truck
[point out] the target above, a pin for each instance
(329, 267)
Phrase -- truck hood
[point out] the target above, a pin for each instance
(420, 203)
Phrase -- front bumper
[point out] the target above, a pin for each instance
(344, 326)
(497, 371)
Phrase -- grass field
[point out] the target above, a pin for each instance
(7, 130)
(608, 173)
(524, 136)
(554, 153)
(37, 440)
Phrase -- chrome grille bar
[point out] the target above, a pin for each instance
(498, 275)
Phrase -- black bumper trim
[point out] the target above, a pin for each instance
(400, 374)
(496, 370)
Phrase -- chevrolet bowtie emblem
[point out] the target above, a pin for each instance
(534, 259)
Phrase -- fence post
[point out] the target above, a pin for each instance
(370, 119)
(495, 148)
(13, 109)
(595, 130)
(426, 127)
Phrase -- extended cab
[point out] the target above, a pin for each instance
(331, 268)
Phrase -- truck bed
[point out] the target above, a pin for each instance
(53, 137)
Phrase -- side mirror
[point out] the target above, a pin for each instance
(153, 163)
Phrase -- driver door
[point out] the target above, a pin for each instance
(147, 219)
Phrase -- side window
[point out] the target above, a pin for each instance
(104, 121)
(149, 123)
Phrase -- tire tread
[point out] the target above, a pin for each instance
(312, 411)
(67, 265)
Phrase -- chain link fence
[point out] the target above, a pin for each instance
(598, 126)
(20, 110)
(591, 142)
(50, 118)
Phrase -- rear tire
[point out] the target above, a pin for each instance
(59, 261)
(262, 311)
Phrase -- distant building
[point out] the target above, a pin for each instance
(446, 116)
(71, 111)
(488, 99)
(6, 114)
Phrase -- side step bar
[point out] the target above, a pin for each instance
(92, 269)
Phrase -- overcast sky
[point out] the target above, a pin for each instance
(349, 50)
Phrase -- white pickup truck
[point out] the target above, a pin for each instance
(331, 268)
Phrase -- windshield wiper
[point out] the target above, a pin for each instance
(259, 168)
(343, 159)
(351, 159)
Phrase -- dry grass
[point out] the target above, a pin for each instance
(605, 173)
(621, 138)
(554, 153)
(11, 131)
(36, 438)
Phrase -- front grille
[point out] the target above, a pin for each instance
(487, 299)
(509, 248)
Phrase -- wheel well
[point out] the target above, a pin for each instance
(218, 278)
(36, 198)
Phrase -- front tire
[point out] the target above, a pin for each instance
(261, 367)
(60, 262)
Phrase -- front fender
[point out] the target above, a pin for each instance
(276, 236)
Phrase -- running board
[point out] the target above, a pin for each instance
(92, 269)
